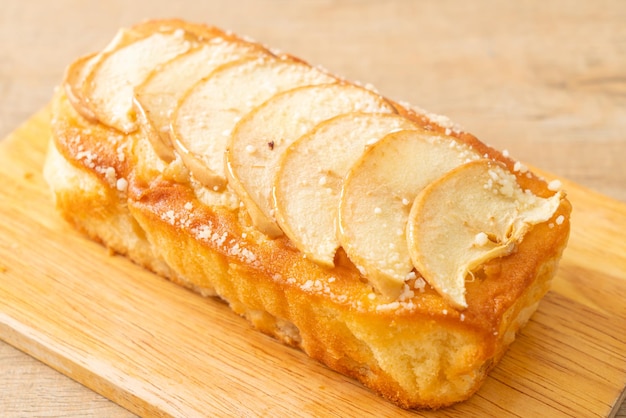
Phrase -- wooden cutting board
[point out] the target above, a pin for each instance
(158, 349)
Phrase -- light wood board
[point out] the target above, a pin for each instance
(157, 349)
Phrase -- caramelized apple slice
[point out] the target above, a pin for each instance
(158, 95)
(78, 71)
(109, 85)
(376, 199)
(208, 112)
(262, 136)
(73, 83)
(308, 182)
(469, 216)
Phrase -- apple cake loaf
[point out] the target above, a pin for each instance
(383, 241)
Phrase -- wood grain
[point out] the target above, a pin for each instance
(157, 349)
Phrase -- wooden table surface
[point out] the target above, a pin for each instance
(545, 80)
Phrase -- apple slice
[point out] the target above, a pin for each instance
(469, 216)
(78, 71)
(207, 114)
(261, 137)
(308, 182)
(108, 87)
(157, 97)
(73, 83)
(376, 199)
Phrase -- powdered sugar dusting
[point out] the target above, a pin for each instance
(225, 243)
(323, 287)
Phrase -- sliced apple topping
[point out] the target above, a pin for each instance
(376, 200)
(262, 136)
(207, 114)
(77, 72)
(308, 182)
(73, 83)
(157, 96)
(109, 85)
(469, 216)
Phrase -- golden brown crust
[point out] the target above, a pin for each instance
(418, 353)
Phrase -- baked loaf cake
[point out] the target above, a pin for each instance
(383, 241)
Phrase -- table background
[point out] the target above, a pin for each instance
(545, 80)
